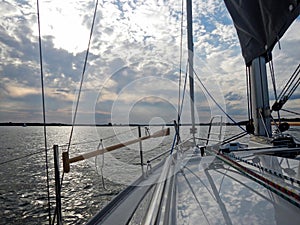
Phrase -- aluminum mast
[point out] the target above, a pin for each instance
(191, 63)
(260, 97)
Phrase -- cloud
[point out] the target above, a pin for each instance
(132, 40)
(15, 91)
(151, 108)
(233, 96)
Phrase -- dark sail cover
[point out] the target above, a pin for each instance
(261, 23)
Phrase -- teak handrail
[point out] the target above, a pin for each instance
(67, 161)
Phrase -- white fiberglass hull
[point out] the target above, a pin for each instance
(190, 189)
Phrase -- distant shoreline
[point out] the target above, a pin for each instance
(91, 125)
(291, 122)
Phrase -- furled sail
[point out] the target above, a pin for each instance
(261, 23)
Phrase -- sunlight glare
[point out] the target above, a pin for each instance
(65, 22)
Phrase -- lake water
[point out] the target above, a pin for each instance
(23, 189)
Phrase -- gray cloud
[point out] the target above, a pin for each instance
(233, 96)
(131, 40)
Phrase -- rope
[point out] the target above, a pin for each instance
(275, 124)
(263, 122)
(277, 174)
(44, 111)
(280, 190)
(100, 145)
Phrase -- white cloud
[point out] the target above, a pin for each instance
(64, 20)
(131, 40)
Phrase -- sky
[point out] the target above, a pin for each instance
(133, 68)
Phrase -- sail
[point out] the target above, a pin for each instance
(261, 23)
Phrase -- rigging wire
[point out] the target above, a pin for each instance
(202, 182)
(271, 66)
(217, 104)
(183, 92)
(41, 150)
(290, 82)
(23, 157)
(288, 90)
(177, 134)
(289, 111)
(233, 138)
(242, 183)
(248, 93)
(179, 105)
(94, 141)
(195, 196)
(80, 88)
(218, 198)
(44, 110)
(82, 76)
(81, 83)
(180, 65)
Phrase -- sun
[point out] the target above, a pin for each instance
(64, 21)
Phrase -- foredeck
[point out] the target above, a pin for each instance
(213, 192)
(189, 189)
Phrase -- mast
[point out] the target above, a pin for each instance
(191, 63)
(260, 25)
(260, 97)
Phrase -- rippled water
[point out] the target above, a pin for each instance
(23, 190)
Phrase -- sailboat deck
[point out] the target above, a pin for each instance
(219, 194)
(190, 189)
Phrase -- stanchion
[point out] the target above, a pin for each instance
(141, 149)
(57, 185)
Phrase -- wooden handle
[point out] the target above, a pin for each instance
(67, 161)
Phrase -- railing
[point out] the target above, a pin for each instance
(211, 133)
(67, 160)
